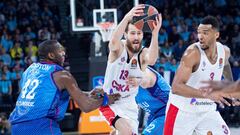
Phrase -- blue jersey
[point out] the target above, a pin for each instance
(153, 100)
(40, 97)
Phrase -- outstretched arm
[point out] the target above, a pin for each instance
(65, 80)
(149, 55)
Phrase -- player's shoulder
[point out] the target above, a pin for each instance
(192, 50)
(62, 74)
(226, 49)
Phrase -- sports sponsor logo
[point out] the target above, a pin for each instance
(195, 102)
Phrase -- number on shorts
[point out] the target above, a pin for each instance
(33, 84)
(150, 128)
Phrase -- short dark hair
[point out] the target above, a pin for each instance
(212, 21)
(48, 46)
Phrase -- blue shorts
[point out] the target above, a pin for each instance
(155, 127)
(42, 126)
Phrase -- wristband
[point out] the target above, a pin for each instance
(105, 99)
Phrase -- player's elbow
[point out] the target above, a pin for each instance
(175, 88)
(86, 109)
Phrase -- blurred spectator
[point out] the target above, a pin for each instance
(31, 51)
(174, 35)
(44, 34)
(167, 50)
(12, 23)
(173, 66)
(29, 34)
(179, 49)
(6, 89)
(7, 60)
(6, 72)
(4, 124)
(162, 37)
(6, 42)
(16, 51)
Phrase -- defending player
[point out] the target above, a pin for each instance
(152, 97)
(45, 89)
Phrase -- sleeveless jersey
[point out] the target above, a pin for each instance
(117, 73)
(39, 95)
(153, 100)
(205, 71)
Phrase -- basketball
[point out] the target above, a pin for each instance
(145, 22)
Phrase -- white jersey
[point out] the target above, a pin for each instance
(205, 71)
(117, 73)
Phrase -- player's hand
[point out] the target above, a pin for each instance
(158, 24)
(219, 97)
(135, 11)
(214, 85)
(97, 93)
(113, 97)
(235, 101)
(133, 81)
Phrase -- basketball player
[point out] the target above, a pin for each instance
(127, 58)
(45, 89)
(207, 59)
(152, 97)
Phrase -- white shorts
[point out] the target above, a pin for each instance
(186, 123)
(128, 110)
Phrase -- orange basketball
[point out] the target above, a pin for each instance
(145, 22)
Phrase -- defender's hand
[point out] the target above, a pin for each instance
(113, 97)
(97, 93)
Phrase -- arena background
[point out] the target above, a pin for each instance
(25, 23)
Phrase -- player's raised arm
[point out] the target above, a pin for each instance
(115, 41)
(65, 80)
(150, 54)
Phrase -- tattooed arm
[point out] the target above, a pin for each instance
(227, 71)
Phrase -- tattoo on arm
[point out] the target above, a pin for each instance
(227, 72)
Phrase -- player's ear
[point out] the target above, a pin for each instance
(217, 35)
(51, 56)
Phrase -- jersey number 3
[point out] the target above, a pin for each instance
(28, 89)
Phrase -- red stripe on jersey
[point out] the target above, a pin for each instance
(170, 120)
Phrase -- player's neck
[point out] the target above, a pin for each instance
(212, 53)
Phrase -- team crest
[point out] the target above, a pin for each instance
(220, 62)
(134, 63)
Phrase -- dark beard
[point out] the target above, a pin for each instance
(204, 49)
(131, 49)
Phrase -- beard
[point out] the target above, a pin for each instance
(204, 47)
(132, 48)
